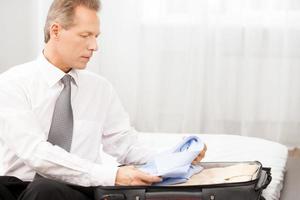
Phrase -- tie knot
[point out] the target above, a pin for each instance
(66, 80)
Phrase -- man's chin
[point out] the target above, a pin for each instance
(80, 66)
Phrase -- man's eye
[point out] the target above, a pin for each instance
(84, 36)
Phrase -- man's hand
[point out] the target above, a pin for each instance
(200, 156)
(129, 175)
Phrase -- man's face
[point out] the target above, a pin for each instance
(75, 46)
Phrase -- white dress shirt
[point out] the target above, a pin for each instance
(28, 93)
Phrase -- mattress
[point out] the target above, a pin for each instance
(231, 148)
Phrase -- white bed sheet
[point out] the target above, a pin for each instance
(232, 148)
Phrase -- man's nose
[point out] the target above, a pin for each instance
(93, 46)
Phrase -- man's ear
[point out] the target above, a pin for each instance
(55, 29)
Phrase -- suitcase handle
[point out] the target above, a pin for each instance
(264, 179)
(174, 194)
(113, 197)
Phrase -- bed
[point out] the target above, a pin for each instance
(232, 148)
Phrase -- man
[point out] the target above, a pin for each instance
(54, 116)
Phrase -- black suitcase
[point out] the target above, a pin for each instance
(249, 190)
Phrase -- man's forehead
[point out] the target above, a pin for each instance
(86, 19)
(85, 15)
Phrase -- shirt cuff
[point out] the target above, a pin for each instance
(104, 175)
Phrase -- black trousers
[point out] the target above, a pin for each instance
(12, 188)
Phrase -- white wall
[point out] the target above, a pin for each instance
(18, 37)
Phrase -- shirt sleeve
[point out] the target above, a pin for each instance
(21, 133)
(119, 139)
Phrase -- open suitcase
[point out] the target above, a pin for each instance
(245, 190)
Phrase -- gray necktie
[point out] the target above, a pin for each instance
(61, 130)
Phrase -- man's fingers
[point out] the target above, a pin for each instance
(200, 156)
(140, 182)
(151, 179)
(205, 147)
(144, 181)
(148, 178)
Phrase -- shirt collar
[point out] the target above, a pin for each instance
(53, 74)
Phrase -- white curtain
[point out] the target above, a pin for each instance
(203, 66)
